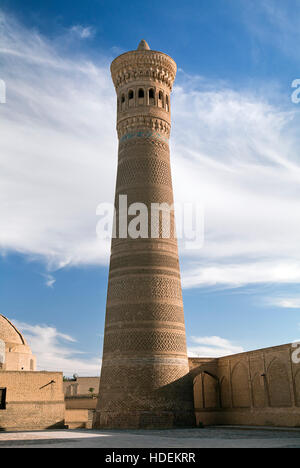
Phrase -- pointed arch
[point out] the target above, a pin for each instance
(131, 98)
(240, 386)
(278, 384)
(151, 95)
(167, 103)
(225, 393)
(198, 392)
(211, 391)
(160, 99)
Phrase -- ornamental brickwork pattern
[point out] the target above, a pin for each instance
(145, 378)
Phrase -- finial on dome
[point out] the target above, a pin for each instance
(143, 45)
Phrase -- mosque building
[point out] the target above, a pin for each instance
(15, 354)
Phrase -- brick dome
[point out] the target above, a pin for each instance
(9, 333)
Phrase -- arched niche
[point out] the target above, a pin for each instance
(160, 101)
(225, 393)
(211, 391)
(240, 386)
(131, 98)
(259, 393)
(198, 392)
(151, 95)
(278, 384)
(141, 96)
(123, 102)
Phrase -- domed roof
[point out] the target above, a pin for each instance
(9, 333)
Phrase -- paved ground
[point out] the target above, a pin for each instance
(216, 437)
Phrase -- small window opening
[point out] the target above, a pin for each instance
(160, 99)
(123, 104)
(2, 398)
(167, 103)
(141, 93)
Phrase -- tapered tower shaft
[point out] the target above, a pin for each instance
(144, 378)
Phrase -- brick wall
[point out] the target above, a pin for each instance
(81, 386)
(256, 388)
(79, 418)
(34, 400)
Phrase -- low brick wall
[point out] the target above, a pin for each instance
(79, 418)
(260, 388)
(34, 400)
(81, 402)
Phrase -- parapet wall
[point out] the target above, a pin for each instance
(33, 400)
(256, 388)
(81, 386)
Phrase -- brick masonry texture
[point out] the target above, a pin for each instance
(34, 400)
(260, 388)
(145, 380)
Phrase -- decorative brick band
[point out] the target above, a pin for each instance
(159, 131)
(145, 378)
(146, 361)
(143, 65)
(156, 312)
(141, 287)
(145, 147)
(122, 246)
(147, 171)
(145, 341)
(116, 376)
(144, 259)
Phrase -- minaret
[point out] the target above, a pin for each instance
(144, 379)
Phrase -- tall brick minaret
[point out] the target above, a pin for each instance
(144, 381)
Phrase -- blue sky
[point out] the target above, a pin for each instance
(235, 149)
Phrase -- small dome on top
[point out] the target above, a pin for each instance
(143, 45)
(9, 333)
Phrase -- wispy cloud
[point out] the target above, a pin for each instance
(212, 346)
(244, 272)
(49, 280)
(274, 23)
(284, 302)
(56, 147)
(238, 154)
(54, 351)
(83, 32)
(232, 150)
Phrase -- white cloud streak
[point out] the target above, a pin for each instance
(49, 280)
(238, 154)
(284, 302)
(274, 23)
(57, 142)
(212, 347)
(82, 32)
(54, 353)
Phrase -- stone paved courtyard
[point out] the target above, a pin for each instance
(214, 437)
